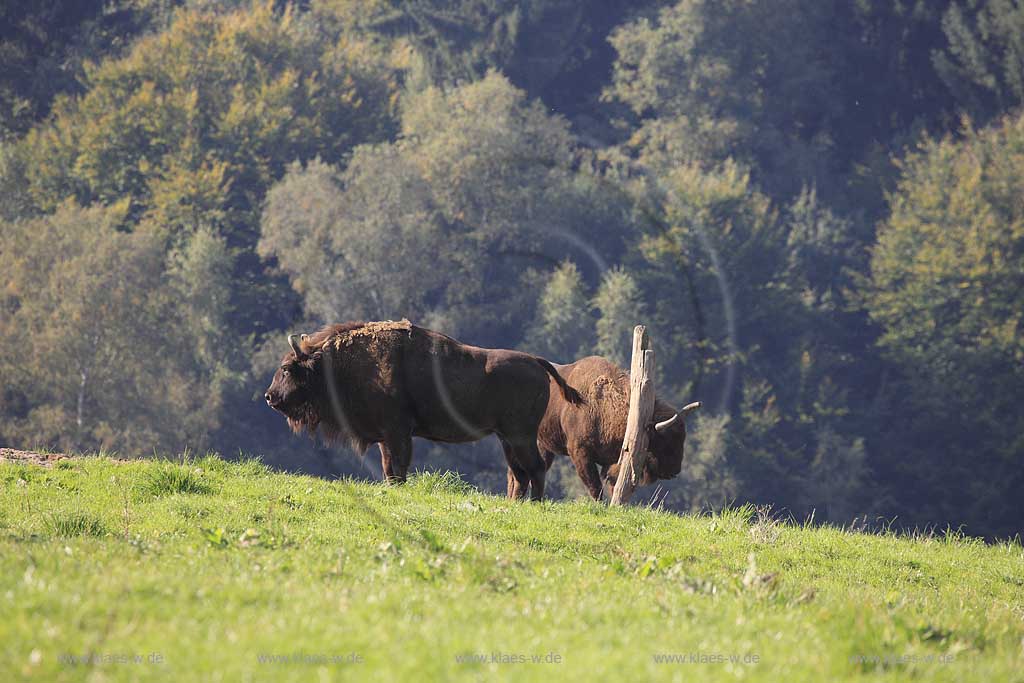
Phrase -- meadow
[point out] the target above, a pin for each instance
(203, 569)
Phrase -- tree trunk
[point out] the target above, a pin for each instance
(81, 400)
(633, 455)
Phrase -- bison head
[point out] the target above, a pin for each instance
(665, 442)
(297, 389)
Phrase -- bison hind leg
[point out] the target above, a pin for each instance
(512, 486)
(518, 482)
(537, 475)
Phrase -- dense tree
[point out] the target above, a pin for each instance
(707, 480)
(804, 92)
(44, 45)
(746, 304)
(880, 55)
(947, 288)
(983, 64)
(556, 50)
(216, 105)
(619, 303)
(563, 327)
(94, 354)
(535, 174)
(440, 225)
(195, 122)
(702, 95)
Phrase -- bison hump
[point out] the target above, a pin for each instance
(372, 333)
(607, 391)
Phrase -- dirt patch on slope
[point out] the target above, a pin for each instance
(31, 457)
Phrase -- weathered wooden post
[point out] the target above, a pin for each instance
(634, 454)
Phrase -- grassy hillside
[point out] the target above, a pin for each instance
(213, 567)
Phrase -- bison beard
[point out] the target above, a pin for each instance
(329, 422)
(385, 382)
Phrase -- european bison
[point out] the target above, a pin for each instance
(591, 434)
(386, 382)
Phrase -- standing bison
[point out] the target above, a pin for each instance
(591, 434)
(386, 382)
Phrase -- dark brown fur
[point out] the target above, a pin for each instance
(386, 382)
(591, 434)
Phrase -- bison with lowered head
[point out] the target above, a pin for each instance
(386, 382)
(591, 434)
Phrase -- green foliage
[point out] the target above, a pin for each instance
(945, 286)
(562, 327)
(838, 475)
(619, 304)
(983, 63)
(181, 181)
(183, 134)
(44, 44)
(710, 251)
(90, 355)
(703, 95)
(709, 481)
(198, 120)
(439, 225)
(553, 49)
(746, 297)
(946, 262)
(804, 92)
(455, 41)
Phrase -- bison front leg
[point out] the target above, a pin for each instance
(395, 455)
(587, 471)
(608, 474)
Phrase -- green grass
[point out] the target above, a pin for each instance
(63, 524)
(212, 565)
(168, 479)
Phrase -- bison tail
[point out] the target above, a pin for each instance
(570, 394)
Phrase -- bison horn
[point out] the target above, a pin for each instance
(665, 424)
(293, 341)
